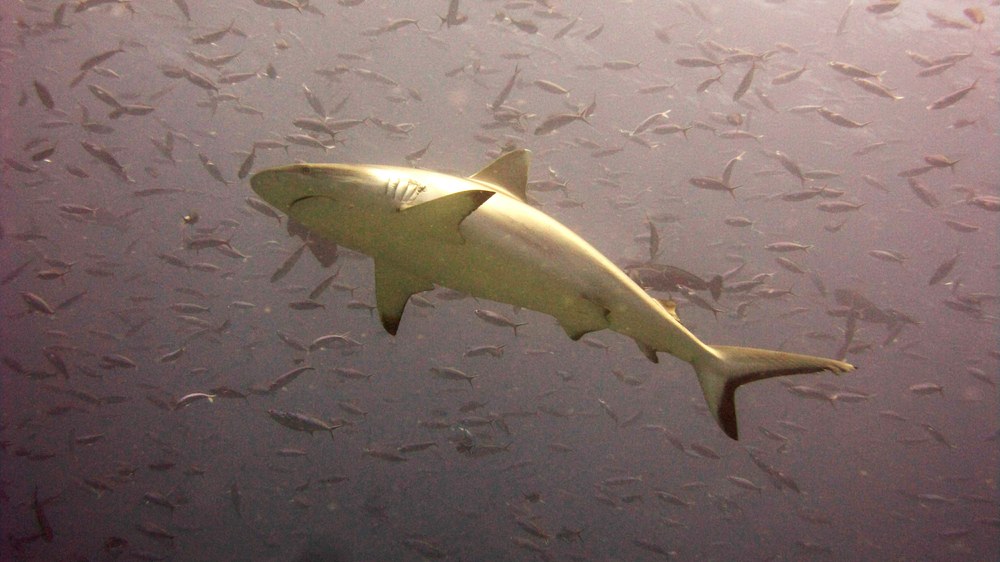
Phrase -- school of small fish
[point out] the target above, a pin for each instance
(816, 176)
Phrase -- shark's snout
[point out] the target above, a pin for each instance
(279, 188)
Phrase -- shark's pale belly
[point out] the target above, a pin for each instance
(515, 254)
(506, 259)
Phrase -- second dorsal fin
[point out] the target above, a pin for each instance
(671, 308)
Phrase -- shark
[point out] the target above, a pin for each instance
(479, 235)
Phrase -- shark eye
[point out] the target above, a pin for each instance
(305, 169)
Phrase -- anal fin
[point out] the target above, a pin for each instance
(648, 351)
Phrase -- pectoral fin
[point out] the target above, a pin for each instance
(440, 217)
(393, 287)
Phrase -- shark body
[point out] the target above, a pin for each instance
(478, 235)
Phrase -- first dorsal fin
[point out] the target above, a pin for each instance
(509, 173)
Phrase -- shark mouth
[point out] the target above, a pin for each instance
(306, 198)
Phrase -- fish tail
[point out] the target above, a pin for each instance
(715, 287)
(722, 372)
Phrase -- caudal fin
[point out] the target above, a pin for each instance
(721, 373)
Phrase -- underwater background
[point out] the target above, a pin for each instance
(141, 277)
